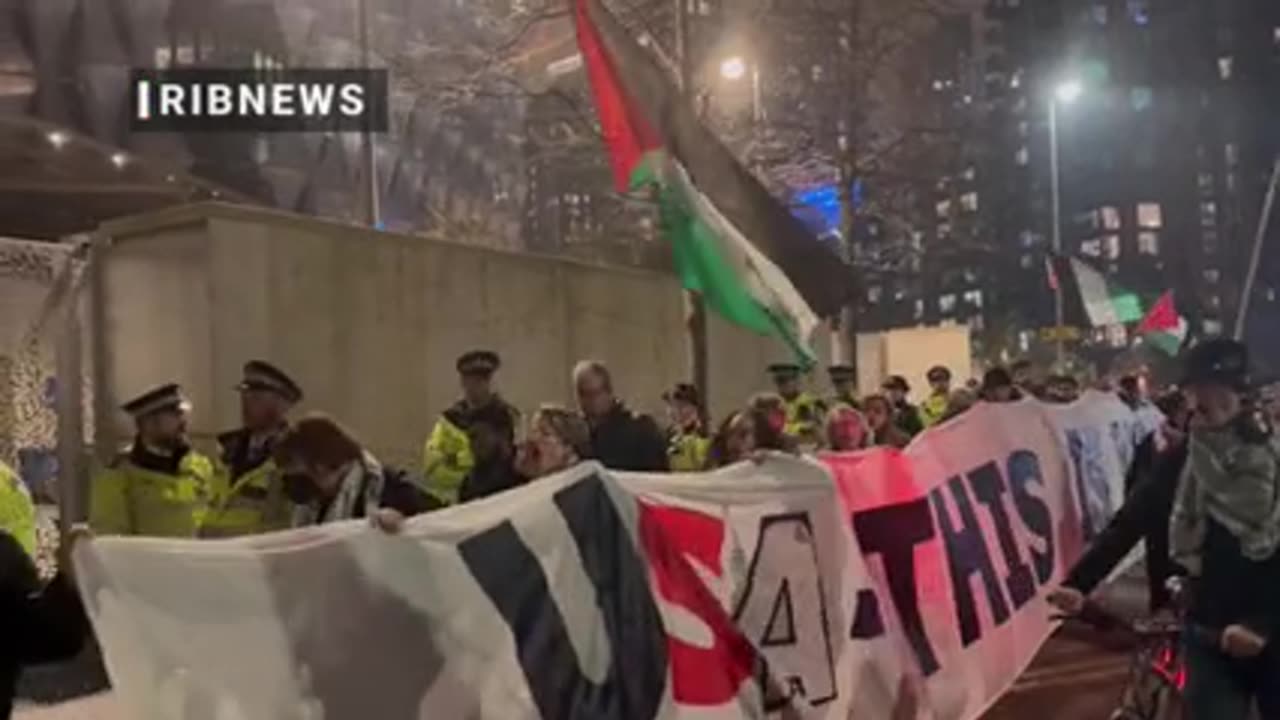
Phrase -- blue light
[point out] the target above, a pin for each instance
(380, 225)
(819, 207)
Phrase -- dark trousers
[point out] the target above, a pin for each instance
(1220, 687)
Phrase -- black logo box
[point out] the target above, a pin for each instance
(149, 81)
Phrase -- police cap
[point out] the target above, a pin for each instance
(685, 393)
(784, 371)
(479, 362)
(164, 398)
(261, 375)
(938, 373)
(897, 382)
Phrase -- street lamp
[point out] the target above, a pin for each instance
(1065, 93)
(733, 68)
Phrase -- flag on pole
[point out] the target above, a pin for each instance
(1163, 327)
(753, 262)
(1104, 304)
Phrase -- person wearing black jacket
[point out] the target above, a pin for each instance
(620, 439)
(37, 624)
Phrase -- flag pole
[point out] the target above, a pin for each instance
(1264, 223)
(695, 308)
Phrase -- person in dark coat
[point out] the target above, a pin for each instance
(620, 439)
(37, 624)
(905, 415)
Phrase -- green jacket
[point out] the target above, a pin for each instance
(17, 511)
(140, 493)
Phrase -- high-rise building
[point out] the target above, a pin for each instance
(1166, 153)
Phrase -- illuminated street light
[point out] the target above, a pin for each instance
(57, 138)
(1068, 91)
(733, 68)
(119, 160)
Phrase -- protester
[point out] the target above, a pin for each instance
(880, 421)
(558, 440)
(247, 495)
(804, 410)
(329, 477)
(448, 456)
(494, 468)
(846, 430)
(1062, 389)
(998, 386)
(960, 402)
(687, 442)
(905, 415)
(37, 624)
(620, 439)
(742, 435)
(1225, 530)
(1023, 374)
(159, 486)
(844, 380)
(935, 406)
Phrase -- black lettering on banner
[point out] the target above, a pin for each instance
(893, 532)
(988, 487)
(1024, 471)
(511, 576)
(784, 592)
(967, 554)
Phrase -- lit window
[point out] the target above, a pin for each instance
(1141, 98)
(1140, 11)
(973, 297)
(1021, 156)
(944, 208)
(969, 201)
(1215, 302)
(1024, 340)
(1232, 154)
(816, 73)
(1275, 35)
(1016, 81)
(1208, 214)
(1092, 248)
(1232, 182)
(1212, 327)
(1210, 244)
(1111, 246)
(1212, 276)
(1090, 218)
(1023, 128)
(1225, 66)
(1271, 294)
(1150, 216)
(1117, 335)
(947, 303)
(873, 294)
(1111, 218)
(1205, 181)
(944, 231)
(970, 173)
(1026, 262)
(163, 58)
(1148, 243)
(1026, 238)
(919, 309)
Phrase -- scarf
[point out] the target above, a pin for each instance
(1234, 482)
(359, 495)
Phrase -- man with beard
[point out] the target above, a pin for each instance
(620, 439)
(158, 486)
(249, 498)
(449, 456)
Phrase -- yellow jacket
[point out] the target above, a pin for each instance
(933, 408)
(127, 499)
(17, 511)
(446, 460)
(247, 497)
(804, 417)
(687, 452)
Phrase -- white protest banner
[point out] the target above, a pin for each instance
(740, 593)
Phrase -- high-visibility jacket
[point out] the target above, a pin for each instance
(804, 417)
(134, 495)
(848, 401)
(447, 456)
(933, 409)
(247, 494)
(687, 452)
(17, 511)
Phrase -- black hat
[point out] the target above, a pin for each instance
(997, 377)
(841, 373)
(784, 371)
(897, 382)
(685, 393)
(262, 375)
(1220, 360)
(938, 372)
(165, 397)
(479, 362)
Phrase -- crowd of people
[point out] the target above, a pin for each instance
(1202, 492)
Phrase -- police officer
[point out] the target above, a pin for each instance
(158, 486)
(449, 453)
(248, 497)
(804, 410)
(688, 443)
(934, 407)
(17, 511)
(843, 383)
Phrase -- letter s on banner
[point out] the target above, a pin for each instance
(672, 537)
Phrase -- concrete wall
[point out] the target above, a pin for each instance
(371, 323)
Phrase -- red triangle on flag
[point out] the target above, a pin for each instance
(1163, 316)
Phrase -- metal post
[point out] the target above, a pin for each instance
(371, 206)
(695, 308)
(1056, 190)
(72, 470)
(1264, 224)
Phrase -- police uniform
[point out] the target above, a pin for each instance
(144, 492)
(17, 511)
(843, 375)
(805, 410)
(248, 497)
(448, 457)
(687, 448)
(934, 407)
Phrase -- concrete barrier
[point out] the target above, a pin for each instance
(371, 322)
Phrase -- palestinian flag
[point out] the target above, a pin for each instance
(1163, 327)
(753, 262)
(1103, 304)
